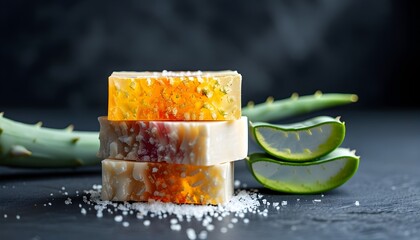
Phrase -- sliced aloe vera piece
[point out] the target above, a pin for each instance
(302, 141)
(322, 175)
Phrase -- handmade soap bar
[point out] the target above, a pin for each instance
(213, 95)
(197, 143)
(176, 183)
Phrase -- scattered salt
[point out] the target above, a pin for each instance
(5, 215)
(283, 203)
(316, 200)
(17, 217)
(67, 201)
(242, 202)
(63, 188)
(357, 203)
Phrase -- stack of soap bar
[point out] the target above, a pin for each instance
(172, 136)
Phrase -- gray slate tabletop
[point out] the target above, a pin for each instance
(386, 186)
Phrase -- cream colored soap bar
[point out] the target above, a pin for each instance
(198, 143)
(211, 95)
(176, 183)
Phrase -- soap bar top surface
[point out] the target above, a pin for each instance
(186, 96)
(176, 183)
(198, 143)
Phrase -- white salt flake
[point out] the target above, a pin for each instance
(283, 203)
(202, 235)
(126, 224)
(67, 201)
(17, 217)
(357, 203)
(146, 223)
(5, 215)
(210, 227)
(316, 200)
(237, 183)
(191, 234)
(118, 218)
(175, 227)
(83, 211)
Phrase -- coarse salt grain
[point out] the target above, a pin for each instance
(118, 218)
(357, 203)
(202, 235)
(191, 234)
(126, 224)
(146, 223)
(176, 227)
(83, 211)
(316, 200)
(237, 183)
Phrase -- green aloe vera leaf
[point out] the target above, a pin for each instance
(295, 105)
(324, 174)
(34, 146)
(30, 145)
(301, 141)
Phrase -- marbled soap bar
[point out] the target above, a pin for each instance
(176, 183)
(213, 95)
(184, 142)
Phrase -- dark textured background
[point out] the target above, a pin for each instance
(58, 54)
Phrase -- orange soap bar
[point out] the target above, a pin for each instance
(212, 95)
(166, 182)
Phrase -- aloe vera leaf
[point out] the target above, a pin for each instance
(18, 147)
(301, 141)
(27, 145)
(275, 110)
(324, 174)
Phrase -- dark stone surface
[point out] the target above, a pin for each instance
(387, 185)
